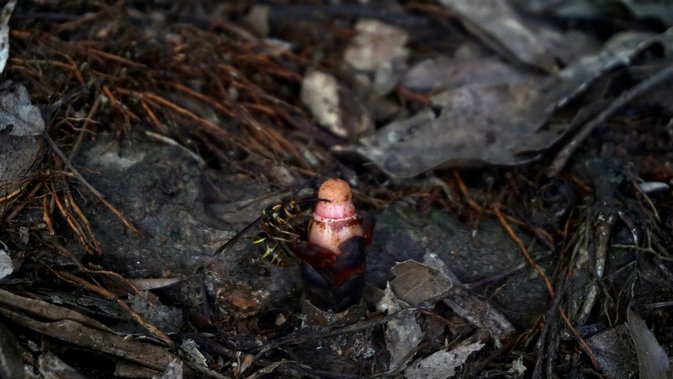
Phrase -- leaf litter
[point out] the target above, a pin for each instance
(500, 260)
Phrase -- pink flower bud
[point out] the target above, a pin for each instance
(335, 220)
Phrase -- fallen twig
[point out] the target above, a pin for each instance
(625, 98)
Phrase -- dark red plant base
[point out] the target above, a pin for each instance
(333, 282)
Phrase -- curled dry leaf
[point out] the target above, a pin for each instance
(497, 25)
(334, 106)
(477, 124)
(403, 333)
(652, 358)
(378, 49)
(442, 364)
(21, 125)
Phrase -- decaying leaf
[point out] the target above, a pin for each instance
(20, 126)
(442, 73)
(6, 265)
(51, 366)
(499, 122)
(11, 363)
(334, 106)
(615, 352)
(194, 355)
(378, 48)
(76, 333)
(146, 284)
(5, 15)
(652, 359)
(403, 333)
(518, 368)
(246, 301)
(415, 283)
(498, 26)
(593, 9)
(165, 317)
(173, 371)
(442, 364)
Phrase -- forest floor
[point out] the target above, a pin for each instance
(516, 157)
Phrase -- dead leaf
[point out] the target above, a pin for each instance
(174, 370)
(246, 301)
(164, 317)
(415, 283)
(442, 364)
(146, 354)
(11, 363)
(500, 123)
(497, 25)
(646, 10)
(334, 106)
(379, 49)
(6, 265)
(146, 284)
(51, 366)
(403, 333)
(20, 125)
(443, 73)
(615, 352)
(46, 311)
(5, 15)
(652, 359)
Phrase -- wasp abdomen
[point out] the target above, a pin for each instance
(269, 249)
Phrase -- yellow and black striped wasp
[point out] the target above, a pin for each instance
(281, 224)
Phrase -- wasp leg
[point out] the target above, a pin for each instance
(281, 234)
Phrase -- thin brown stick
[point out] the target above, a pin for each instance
(205, 98)
(152, 116)
(72, 223)
(118, 107)
(75, 70)
(23, 203)
(542, 234)
(46, 215)
(628, 96)
(86, 184)
(200, 121)
(111, 57)
(83, 221)
(510, 232)
(6, 198)
(549, 285)
(86, 126)
(153, 330)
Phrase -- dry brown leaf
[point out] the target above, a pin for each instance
(415, 283)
